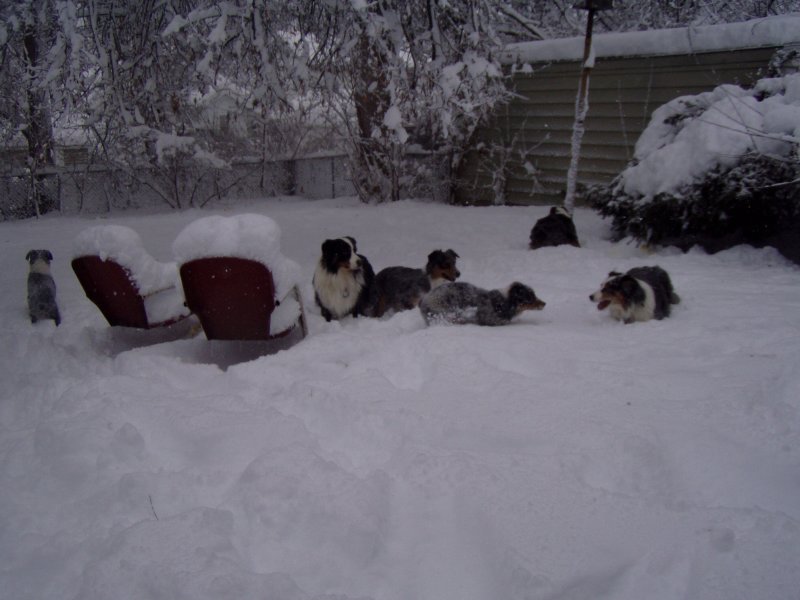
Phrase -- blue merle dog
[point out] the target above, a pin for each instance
(41, 287)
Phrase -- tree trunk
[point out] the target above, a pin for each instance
(373, 169)
(38, 130)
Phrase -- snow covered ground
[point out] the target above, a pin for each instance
(565, 456)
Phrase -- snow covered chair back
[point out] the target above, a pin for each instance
(236, 280)
(129, 286)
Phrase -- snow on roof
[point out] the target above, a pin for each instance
(250, 236)
(124, 246)
(757, 33)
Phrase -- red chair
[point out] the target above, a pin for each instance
(236, 281)
(234, 298)
(129, 287)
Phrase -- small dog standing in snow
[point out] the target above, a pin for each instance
(641, 294)
(342, 280)
(556, 229)
(41, 287)
(400, 288)
(462, 303)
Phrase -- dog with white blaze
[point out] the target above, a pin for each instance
(41, 287)
(641, 294)
(401, 288)
(342, 280)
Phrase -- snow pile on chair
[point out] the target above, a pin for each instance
(249, 236)
(124, 246)
(157, 282)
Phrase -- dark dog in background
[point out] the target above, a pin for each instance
(400, 288)
(641, 294)
(343, 280)
(556, 229)
(462, 303)
(41, 287)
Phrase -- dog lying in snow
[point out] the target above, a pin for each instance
(400, 288)
(641, 294)
(463, 303)
(556, 229)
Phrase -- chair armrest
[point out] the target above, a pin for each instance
(288, 310)
(165, 305)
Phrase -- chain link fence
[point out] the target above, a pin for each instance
(99, 189)
(96, 189)
(24, 195)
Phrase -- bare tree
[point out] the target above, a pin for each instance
(380, 79)
(422, 75)
(25, 101)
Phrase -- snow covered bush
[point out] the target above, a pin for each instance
(717, 169)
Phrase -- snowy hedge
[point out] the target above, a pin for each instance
(716, 169)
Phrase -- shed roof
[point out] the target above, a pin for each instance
(770, 31)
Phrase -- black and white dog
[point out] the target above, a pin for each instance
(400, 288)
(462, 303)
(641, 294)
(41, 287)
(342, 280)
(556, 229)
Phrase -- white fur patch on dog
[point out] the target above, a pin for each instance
(40, 266)
(338, 291)
(437, 282)
(560, 210)
(637, 311)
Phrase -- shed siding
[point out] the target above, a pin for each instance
(623, 93)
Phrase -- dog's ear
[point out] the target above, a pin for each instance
(48, 255)
(352, 240)
(326, 245)
(628, 284)
(522, 293)
(28, 255)
(452, 254)
(614, 273)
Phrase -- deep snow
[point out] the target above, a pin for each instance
(565, 456)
